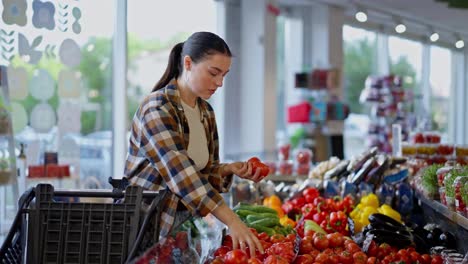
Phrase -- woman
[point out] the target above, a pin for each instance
(174, 140)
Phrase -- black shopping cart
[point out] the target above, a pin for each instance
(56, 226)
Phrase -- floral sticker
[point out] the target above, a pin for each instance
(17, 83)
(28, 51)
(43, 15)
(14, 12)
(70, 53)
(43, 118)
(42, 85)
(68, 84)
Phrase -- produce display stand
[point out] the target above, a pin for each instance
(451, 221)
(53, 226)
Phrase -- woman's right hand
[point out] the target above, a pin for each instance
(242, 237)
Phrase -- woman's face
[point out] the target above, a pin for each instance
(206, 76)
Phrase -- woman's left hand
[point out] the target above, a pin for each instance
(245, 171)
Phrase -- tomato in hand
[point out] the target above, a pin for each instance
(236, 256)
(258, 165)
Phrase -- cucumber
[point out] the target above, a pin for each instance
(254, 217)
(244, 213)
(257, 209)
(268, 222)
(261, 228)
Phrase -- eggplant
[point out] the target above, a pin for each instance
(387, 222)
(356, 178)
(448, 240)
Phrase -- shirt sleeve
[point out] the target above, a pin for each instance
(163, 145)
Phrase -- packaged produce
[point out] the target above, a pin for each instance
(426, 149)
(444, 149)
(285, 167)
(429, 181)
(283, 151)
(449, 186)
(442, 197)
(461, 151)
(441, 173)
(431, 137)
(408, 149)
(458, 186)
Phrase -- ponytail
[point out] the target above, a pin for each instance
(174, 67)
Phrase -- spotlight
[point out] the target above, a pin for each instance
(400, 28)
(361, 16)
(460, 44)
(434, 37)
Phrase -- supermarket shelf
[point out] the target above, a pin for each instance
(286, 178)
(443, 210)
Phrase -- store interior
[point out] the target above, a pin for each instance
(361, 100)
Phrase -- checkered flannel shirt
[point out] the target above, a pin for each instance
(157, 156)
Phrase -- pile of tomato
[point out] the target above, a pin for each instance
(278, 249)
(329, 213)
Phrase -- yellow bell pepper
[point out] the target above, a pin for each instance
(286, 221)
(364, 217)
(370, 200)
(388, 211)
(272, 201)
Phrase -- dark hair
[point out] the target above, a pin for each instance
(197, 46)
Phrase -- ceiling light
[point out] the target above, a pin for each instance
(460, 44)
(400, 28)
(434, 37)
(361, 16)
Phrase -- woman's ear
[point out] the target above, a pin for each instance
(187, 63)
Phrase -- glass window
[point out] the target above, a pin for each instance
(440, 82)
(154, 27)
(58, 63)
(360, 49)
(406, 61)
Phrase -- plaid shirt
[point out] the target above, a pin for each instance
(157, 156)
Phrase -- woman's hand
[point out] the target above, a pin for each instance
(241, 235)
(245, 171)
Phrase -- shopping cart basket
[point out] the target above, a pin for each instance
(46, 230)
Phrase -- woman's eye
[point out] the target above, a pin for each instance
(213, 74)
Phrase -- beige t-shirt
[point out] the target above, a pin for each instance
(198, 144)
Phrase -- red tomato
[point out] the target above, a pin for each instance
(372, 260)
(426, 259)
(263, 236)
(415, 256)
(254, 160)
(306, 245)
(384, 250)
(309, 232)
(352, 248)
(254, 261)
(221, 252)
(275, 259)
(437, 259)
(322, 258)
(304, 259)
(335, 240)
(333, 259)
(360, 258)
(321, 242)
(373, 249)
(236, 256)
(291, 238)
(311, 191)
(217, 260)
(277, 238)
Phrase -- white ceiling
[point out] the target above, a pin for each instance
(426, 11)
